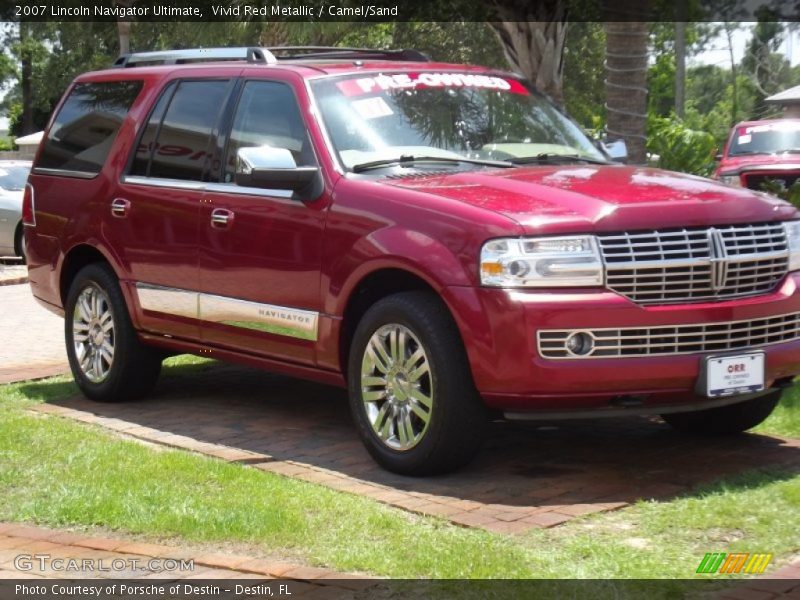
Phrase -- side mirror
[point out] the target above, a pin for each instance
(718, 157)
(271, 168)
(617, 150)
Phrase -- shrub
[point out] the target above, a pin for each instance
(680, 148)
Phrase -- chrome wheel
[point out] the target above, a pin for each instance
(396, 387)
(93, 333)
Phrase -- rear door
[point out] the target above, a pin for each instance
(154, 216)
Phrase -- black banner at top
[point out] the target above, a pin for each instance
(400, 10)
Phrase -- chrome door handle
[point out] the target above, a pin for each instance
(120, 207)
(221, 218)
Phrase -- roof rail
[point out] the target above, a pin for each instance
(174, 57)
(336, 52)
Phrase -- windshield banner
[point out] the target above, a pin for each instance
(401, 81)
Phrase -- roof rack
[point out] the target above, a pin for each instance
(193, 55)
(268, 56)
(336, 52)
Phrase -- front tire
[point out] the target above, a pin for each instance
(107, 359)
(726, 420)
(411, 391)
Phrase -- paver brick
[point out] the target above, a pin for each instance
(303, 430)
(209, 565)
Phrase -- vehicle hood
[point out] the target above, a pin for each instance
(735, 164)
(600, 198)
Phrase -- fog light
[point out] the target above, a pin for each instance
(579, 343)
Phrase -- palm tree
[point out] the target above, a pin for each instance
(626, 85)
(533, 35)
(124, 27)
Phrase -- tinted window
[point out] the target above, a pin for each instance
(268, 114)
(87, 124)
(144, 151)
(182, 148)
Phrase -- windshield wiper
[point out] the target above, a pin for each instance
(788, 151)
(407, 160)
(551, 157)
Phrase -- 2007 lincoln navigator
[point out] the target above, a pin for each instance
(439, 238)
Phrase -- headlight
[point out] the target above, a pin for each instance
(734, 180)
(572, 261)
(793, 241)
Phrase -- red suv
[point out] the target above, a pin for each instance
(762, 154)
(440, 239)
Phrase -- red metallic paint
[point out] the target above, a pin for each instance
(313, 255)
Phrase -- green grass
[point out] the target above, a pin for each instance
(785, 420)
(60, 473)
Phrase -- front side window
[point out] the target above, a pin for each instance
(179, 144)
(87, 125)
(268, 115)
(443, 114)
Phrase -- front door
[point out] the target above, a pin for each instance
(260, 250)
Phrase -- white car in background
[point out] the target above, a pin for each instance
(13, 175)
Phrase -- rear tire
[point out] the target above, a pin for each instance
(726, 420)
(411, 391)
(107, 359)
(19, 243)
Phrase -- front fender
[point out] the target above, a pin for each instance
(393, 247)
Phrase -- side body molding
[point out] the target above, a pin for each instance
(279, 320)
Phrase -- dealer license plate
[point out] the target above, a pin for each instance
(729, 375)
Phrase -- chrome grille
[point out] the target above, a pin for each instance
(678, 339)
(691, 265)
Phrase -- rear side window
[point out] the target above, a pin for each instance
(86, 126)
(179, 146)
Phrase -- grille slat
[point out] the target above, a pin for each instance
(677, 339)
(673, 266)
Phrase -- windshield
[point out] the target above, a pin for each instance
(13, 178)
(447, 115)
(768, 138)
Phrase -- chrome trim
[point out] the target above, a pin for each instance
(180, 184)
(65, 173)
(170, 301)
(232, 188)
(691, 265)
(201, 186)
(279, 320)
(234, 312)
(671, 340)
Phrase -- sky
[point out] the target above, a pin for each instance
(719, 54)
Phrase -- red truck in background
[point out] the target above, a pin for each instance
(762, 155)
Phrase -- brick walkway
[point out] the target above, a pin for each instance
(118, 556)
(112, 558)
(527, 476)
(32, 337)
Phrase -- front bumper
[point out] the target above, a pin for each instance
(500, 327)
